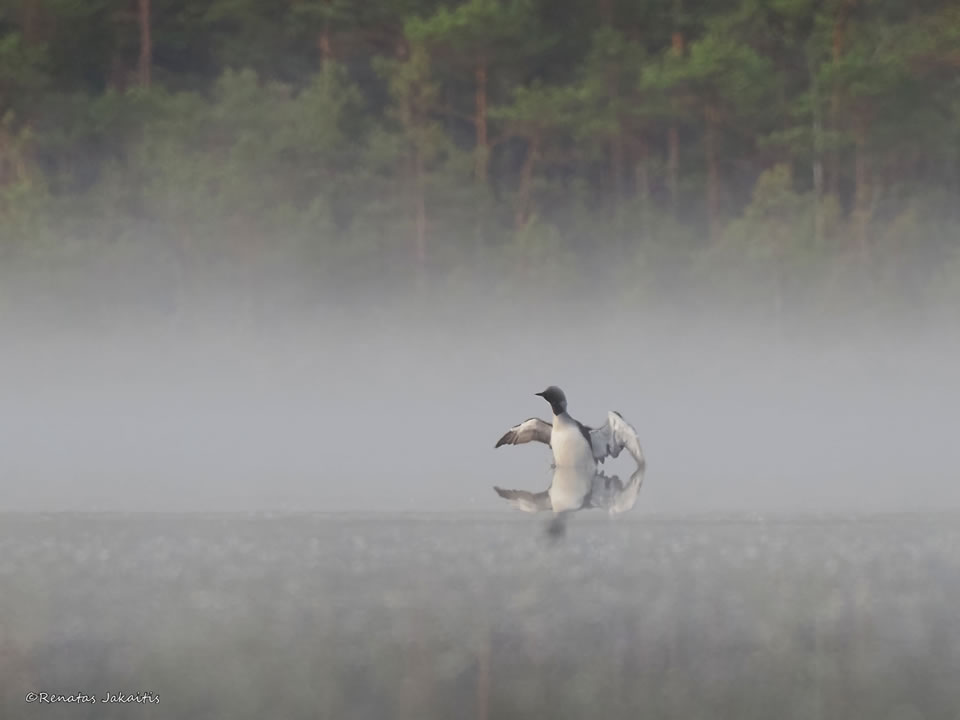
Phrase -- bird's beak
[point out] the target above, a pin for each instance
(539, 394)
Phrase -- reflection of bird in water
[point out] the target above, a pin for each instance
(574, 489)
(572, 442)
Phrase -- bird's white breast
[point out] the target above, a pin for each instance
(570, 447)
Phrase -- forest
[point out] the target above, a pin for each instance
(783, 158)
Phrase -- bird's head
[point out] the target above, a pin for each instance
(556, 398)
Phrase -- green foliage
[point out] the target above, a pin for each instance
(477, 28)
(22, 70)
(516, 138)
(538, 108)
(767, 253)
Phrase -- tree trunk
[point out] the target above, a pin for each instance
(117, 78)
(673, 134)
(13, 166)
(421, 218)
(673, 166)
(146, 43)
(642, 175)
(839, 47)
(410, 120)
(713, 171)
(863, 189)
(325, 50)
(526, 181)
(612, 82)
(817, 163)
(677, 43)
(616, 169)
(480, 121)
(323, 45)
(31, 21)
(606, 12)
(840, 27)
(642, 180)
(677, 39)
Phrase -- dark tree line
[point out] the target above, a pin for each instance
(789, 154)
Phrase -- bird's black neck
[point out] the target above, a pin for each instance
(559, 408)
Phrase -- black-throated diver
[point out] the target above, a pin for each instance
(573, 443)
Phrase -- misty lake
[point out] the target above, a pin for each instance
(482, 615)
(288, 291)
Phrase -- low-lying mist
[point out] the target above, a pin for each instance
(338, 407)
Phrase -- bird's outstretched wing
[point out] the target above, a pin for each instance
(613, 436)
(532, 429)
(526, 501)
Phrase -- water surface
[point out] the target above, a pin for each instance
(483, 615)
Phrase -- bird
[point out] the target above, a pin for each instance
(572, 442)
(573, 489)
